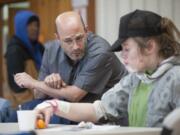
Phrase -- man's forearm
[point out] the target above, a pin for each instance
(39, 94)
(41, 88)
(70, 93)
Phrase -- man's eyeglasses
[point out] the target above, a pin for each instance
(78, 39)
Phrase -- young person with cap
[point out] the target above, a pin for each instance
(150, 51)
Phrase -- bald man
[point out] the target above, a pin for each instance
(77, 67)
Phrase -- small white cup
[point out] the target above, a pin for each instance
(26, 120)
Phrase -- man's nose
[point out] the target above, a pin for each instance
(75, 45)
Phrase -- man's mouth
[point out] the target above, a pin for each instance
(76, 53)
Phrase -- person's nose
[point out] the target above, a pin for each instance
(75, 45)
(123, 55)
(35, 28)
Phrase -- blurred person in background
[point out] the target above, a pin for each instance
(24, 53)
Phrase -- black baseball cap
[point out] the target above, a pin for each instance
(139, 23)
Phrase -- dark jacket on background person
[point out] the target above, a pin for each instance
(20, 49)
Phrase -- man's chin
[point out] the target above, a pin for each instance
(76, 59)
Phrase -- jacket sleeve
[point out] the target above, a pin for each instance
(114, 103)
(15, 64)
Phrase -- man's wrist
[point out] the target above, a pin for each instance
(35, 84)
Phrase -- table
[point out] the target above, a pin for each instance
(74, 130)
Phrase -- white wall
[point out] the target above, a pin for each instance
(108, 13)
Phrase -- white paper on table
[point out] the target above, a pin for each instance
(101, 128)
(73, 128)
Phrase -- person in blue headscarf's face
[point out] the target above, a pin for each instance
(27, 26)
(33, 30)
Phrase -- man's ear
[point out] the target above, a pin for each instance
(86, 29)
(57, 35)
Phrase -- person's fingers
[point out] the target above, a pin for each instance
(17, 76)
(51, 82)
(48, 113)
(48, 81)
(64, 84)
(20, 76)
(58, 81)
(58, 76)
(40, 116)
(39, 113)
(22, 85)
(23, 80)
(54, 81)
(19, 82)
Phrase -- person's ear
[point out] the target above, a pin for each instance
(57, 35)
(151, 46)
(86, 29)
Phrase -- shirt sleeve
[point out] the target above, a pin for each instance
(44, 70)
(95, 74)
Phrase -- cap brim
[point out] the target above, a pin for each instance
(117, 45)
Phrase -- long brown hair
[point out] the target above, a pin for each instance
(168, 41)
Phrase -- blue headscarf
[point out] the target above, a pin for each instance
(20, 25)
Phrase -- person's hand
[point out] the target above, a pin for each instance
(54, 81)
(44, 111)
(24, 80)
